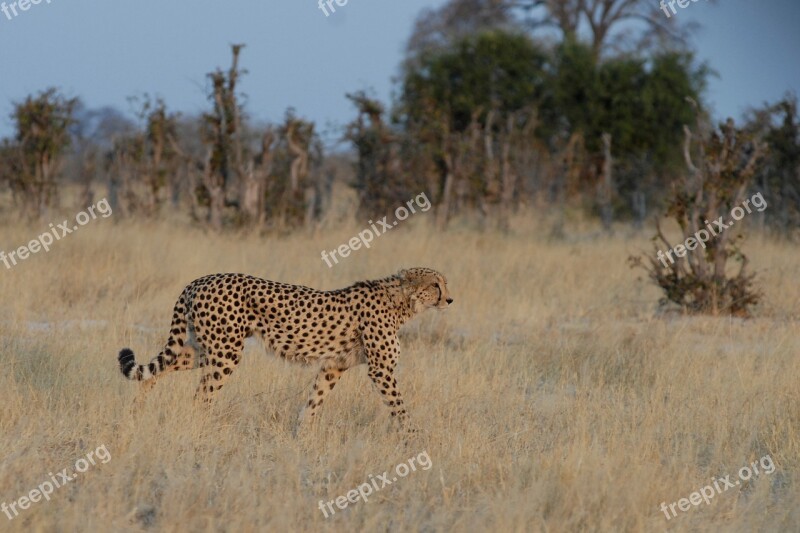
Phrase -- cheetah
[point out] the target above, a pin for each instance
(336, 329)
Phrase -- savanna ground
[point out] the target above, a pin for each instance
(553, 394)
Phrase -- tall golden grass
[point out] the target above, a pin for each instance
(553, 395)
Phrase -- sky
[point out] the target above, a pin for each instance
(104, 52)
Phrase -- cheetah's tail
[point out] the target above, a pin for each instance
(168, 356)
(127, 363)
(131, 370)
(136, 372)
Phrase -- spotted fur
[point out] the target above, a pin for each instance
(334, 329)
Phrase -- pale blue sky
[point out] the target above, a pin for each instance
(105, 51)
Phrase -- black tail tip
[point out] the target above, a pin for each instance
(126, 360)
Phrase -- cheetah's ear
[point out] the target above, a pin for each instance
(407, 280)
(409, 285)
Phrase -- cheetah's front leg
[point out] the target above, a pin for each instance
(381, 372)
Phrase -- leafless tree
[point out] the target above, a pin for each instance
(721, 166)
(621, 25)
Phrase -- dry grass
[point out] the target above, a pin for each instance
(554, 396)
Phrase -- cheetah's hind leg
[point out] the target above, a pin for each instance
(187, 359)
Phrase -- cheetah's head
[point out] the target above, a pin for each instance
(424, 288)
